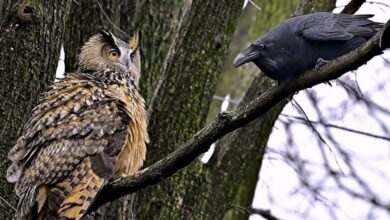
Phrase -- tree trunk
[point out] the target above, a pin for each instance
(157, 21)
(251, 140)
(88, 17)
(30, 40)
(180, 104)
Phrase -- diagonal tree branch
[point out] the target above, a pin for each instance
(352, 6)
(229, 121)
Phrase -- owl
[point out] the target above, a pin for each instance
(88, 129)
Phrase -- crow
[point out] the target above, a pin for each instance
(304, 42)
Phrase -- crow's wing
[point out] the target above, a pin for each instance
(336, 27)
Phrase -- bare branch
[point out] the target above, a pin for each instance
(352, 6)
(310, 124)
(379, 3)
(230, 121)
(264, 213)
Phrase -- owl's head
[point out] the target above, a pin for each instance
(105, 50)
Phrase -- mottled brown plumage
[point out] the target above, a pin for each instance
(89, 128)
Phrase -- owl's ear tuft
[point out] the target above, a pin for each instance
(135, 40)
(109, 37)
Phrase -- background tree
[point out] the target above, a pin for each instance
(30, 40)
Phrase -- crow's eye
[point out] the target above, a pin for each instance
(260, 46)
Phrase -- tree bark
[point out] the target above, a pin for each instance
(180, 104)
(158, 26)
(157, 21)
(88, 17)
(251, 140)
(30, 40)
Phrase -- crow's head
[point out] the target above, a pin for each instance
(254, 52)
(264, 53)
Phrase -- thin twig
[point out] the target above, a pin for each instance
(255, 5)
(108, 18)
(379, 3)
(385, 60)
(264, 213)
(304, 120)
(308, 121)
(7, 203)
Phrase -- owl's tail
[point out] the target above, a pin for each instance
(69, 199)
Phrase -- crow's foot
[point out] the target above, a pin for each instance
(320, 63)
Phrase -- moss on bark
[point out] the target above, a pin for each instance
(157, 21)
(179, 106)
(253, 138)
(30, 39)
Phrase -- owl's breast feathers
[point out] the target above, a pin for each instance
(87, 129)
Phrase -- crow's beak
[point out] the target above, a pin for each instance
(245, 56)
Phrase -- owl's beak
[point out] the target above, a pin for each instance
(126, 62)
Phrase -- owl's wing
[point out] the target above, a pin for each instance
(69, 148)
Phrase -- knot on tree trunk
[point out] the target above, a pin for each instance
(26, 13)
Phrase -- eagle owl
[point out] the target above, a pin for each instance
(89, 128)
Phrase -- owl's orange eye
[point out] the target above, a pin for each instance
(114, 54)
